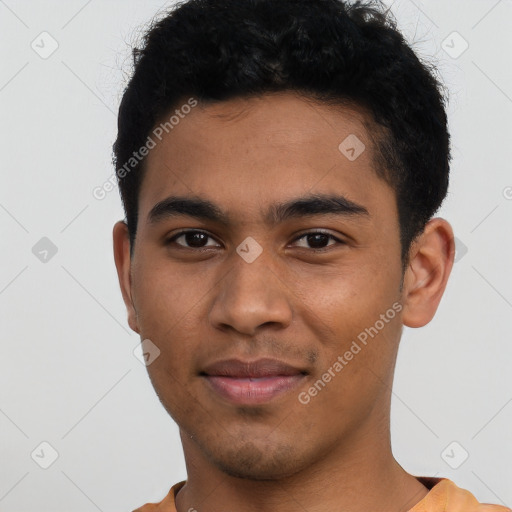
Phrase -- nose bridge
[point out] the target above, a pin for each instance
(250, 294)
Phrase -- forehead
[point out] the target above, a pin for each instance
(247, 152)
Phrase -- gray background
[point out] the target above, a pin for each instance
(68, 373)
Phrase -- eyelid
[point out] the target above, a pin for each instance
(315, 231)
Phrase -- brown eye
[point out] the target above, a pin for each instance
(193, 239)
(317, 240)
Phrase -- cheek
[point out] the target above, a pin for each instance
(347, 297)
(162, 297)
(355, 315)
(355, 375)
(168, 305)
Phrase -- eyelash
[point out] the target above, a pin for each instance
(303, 235)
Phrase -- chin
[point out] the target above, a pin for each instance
(254, 462)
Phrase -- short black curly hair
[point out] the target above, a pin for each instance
(330, 50)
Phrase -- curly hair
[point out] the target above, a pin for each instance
(330, 50)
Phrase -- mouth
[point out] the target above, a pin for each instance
(252, 383)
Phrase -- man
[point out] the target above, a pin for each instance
(280, 164)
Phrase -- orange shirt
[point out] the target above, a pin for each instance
(443, 496)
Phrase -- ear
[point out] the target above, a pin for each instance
(431, 259)
(123, 264)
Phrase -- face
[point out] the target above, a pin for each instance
(293, 255)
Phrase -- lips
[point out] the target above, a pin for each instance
(260, 368)
(253, 382)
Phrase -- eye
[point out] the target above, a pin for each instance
(317, 239)
(194, 238)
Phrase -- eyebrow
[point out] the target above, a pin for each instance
(311, 205)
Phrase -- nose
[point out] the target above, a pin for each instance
(250, 296)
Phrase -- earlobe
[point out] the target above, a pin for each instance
(426, 277)
(122, 258)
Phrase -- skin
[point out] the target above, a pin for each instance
(291, 303)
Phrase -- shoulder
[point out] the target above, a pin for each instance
(446, 496)
(168, 504)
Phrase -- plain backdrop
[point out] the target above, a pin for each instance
(69, 376)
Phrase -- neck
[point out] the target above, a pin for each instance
(359, 475)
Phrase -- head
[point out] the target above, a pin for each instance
(304, 147)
